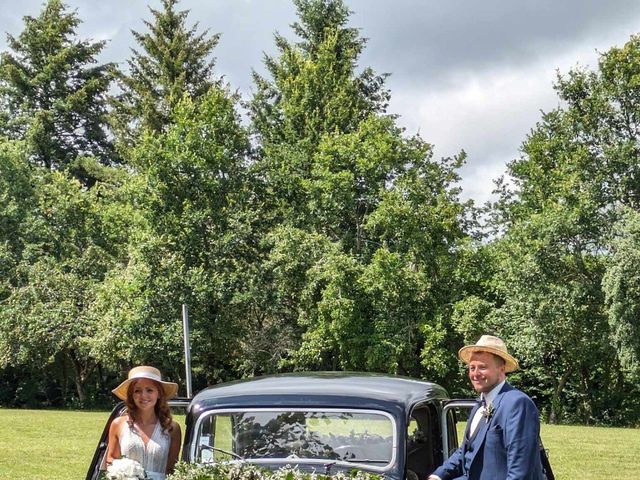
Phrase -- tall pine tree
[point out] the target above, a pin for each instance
(174, 60)
(314, 88)
(360, 222)
(313, 92)
(54, 92)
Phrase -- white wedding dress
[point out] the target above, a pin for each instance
(153, 456)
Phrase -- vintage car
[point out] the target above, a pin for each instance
(323, 422)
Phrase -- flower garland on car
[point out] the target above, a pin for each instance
(221, 471)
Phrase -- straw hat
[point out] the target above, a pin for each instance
(491, 344)
(170, 388)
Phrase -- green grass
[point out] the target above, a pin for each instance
(588, 453)
(58, 445)
(48, 444)
(592, 452)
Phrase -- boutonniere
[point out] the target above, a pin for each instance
(488, 412)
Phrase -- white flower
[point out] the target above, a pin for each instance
(125, 469)
(488, 412)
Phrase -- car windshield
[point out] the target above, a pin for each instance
(345, 436)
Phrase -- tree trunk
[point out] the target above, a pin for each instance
(81, 374)
(587, 404)
(556, 403)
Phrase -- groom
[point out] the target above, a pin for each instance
(501, 438)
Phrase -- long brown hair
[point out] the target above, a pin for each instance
(161, 408)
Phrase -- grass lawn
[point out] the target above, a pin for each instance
(48, 444)
(592, 452)
(58, 445)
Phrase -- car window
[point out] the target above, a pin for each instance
(262, 435)
(454, 427)
(412, 428)
(453, 411)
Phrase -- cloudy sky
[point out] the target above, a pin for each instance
(465, 74)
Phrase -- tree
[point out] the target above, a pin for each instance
(314, 91)
(194, 244)
(72, 239)
(174, 61)
(17, 195)
(351, 207)
(314, 88)
(551, 309)
(622, 288)
(579, 164)
(55, 92)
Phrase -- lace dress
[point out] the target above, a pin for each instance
(153, 457)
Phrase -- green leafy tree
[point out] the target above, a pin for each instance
(313, 91)
(72, 238)
(193, 247)
(174, 60)
(54, 92)
(351, 205)
(314, 87)
(552, 308)
(622, 289)
(17, 195)
(578, 166)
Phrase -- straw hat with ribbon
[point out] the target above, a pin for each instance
(490, 344)
(170, 388)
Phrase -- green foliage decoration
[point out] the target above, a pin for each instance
(219, 471)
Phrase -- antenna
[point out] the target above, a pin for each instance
(187, 348)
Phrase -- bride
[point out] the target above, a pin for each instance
(146, 433)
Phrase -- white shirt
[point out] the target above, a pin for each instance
(488, 398)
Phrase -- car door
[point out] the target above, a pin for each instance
(98, 462)
(451, 411)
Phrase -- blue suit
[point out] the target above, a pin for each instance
(503, 447)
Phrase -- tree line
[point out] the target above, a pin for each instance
(302, 226)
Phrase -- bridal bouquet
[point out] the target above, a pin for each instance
(125, 469)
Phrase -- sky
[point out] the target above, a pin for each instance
(464, 74)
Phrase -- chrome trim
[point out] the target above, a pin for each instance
(450, 405)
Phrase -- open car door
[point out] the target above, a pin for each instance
(450, 409)
(99, 461)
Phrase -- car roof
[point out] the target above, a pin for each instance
(325, 389)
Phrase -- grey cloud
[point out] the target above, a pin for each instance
(415, 40)
(437, 39)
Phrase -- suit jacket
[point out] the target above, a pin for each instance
(506, 445)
